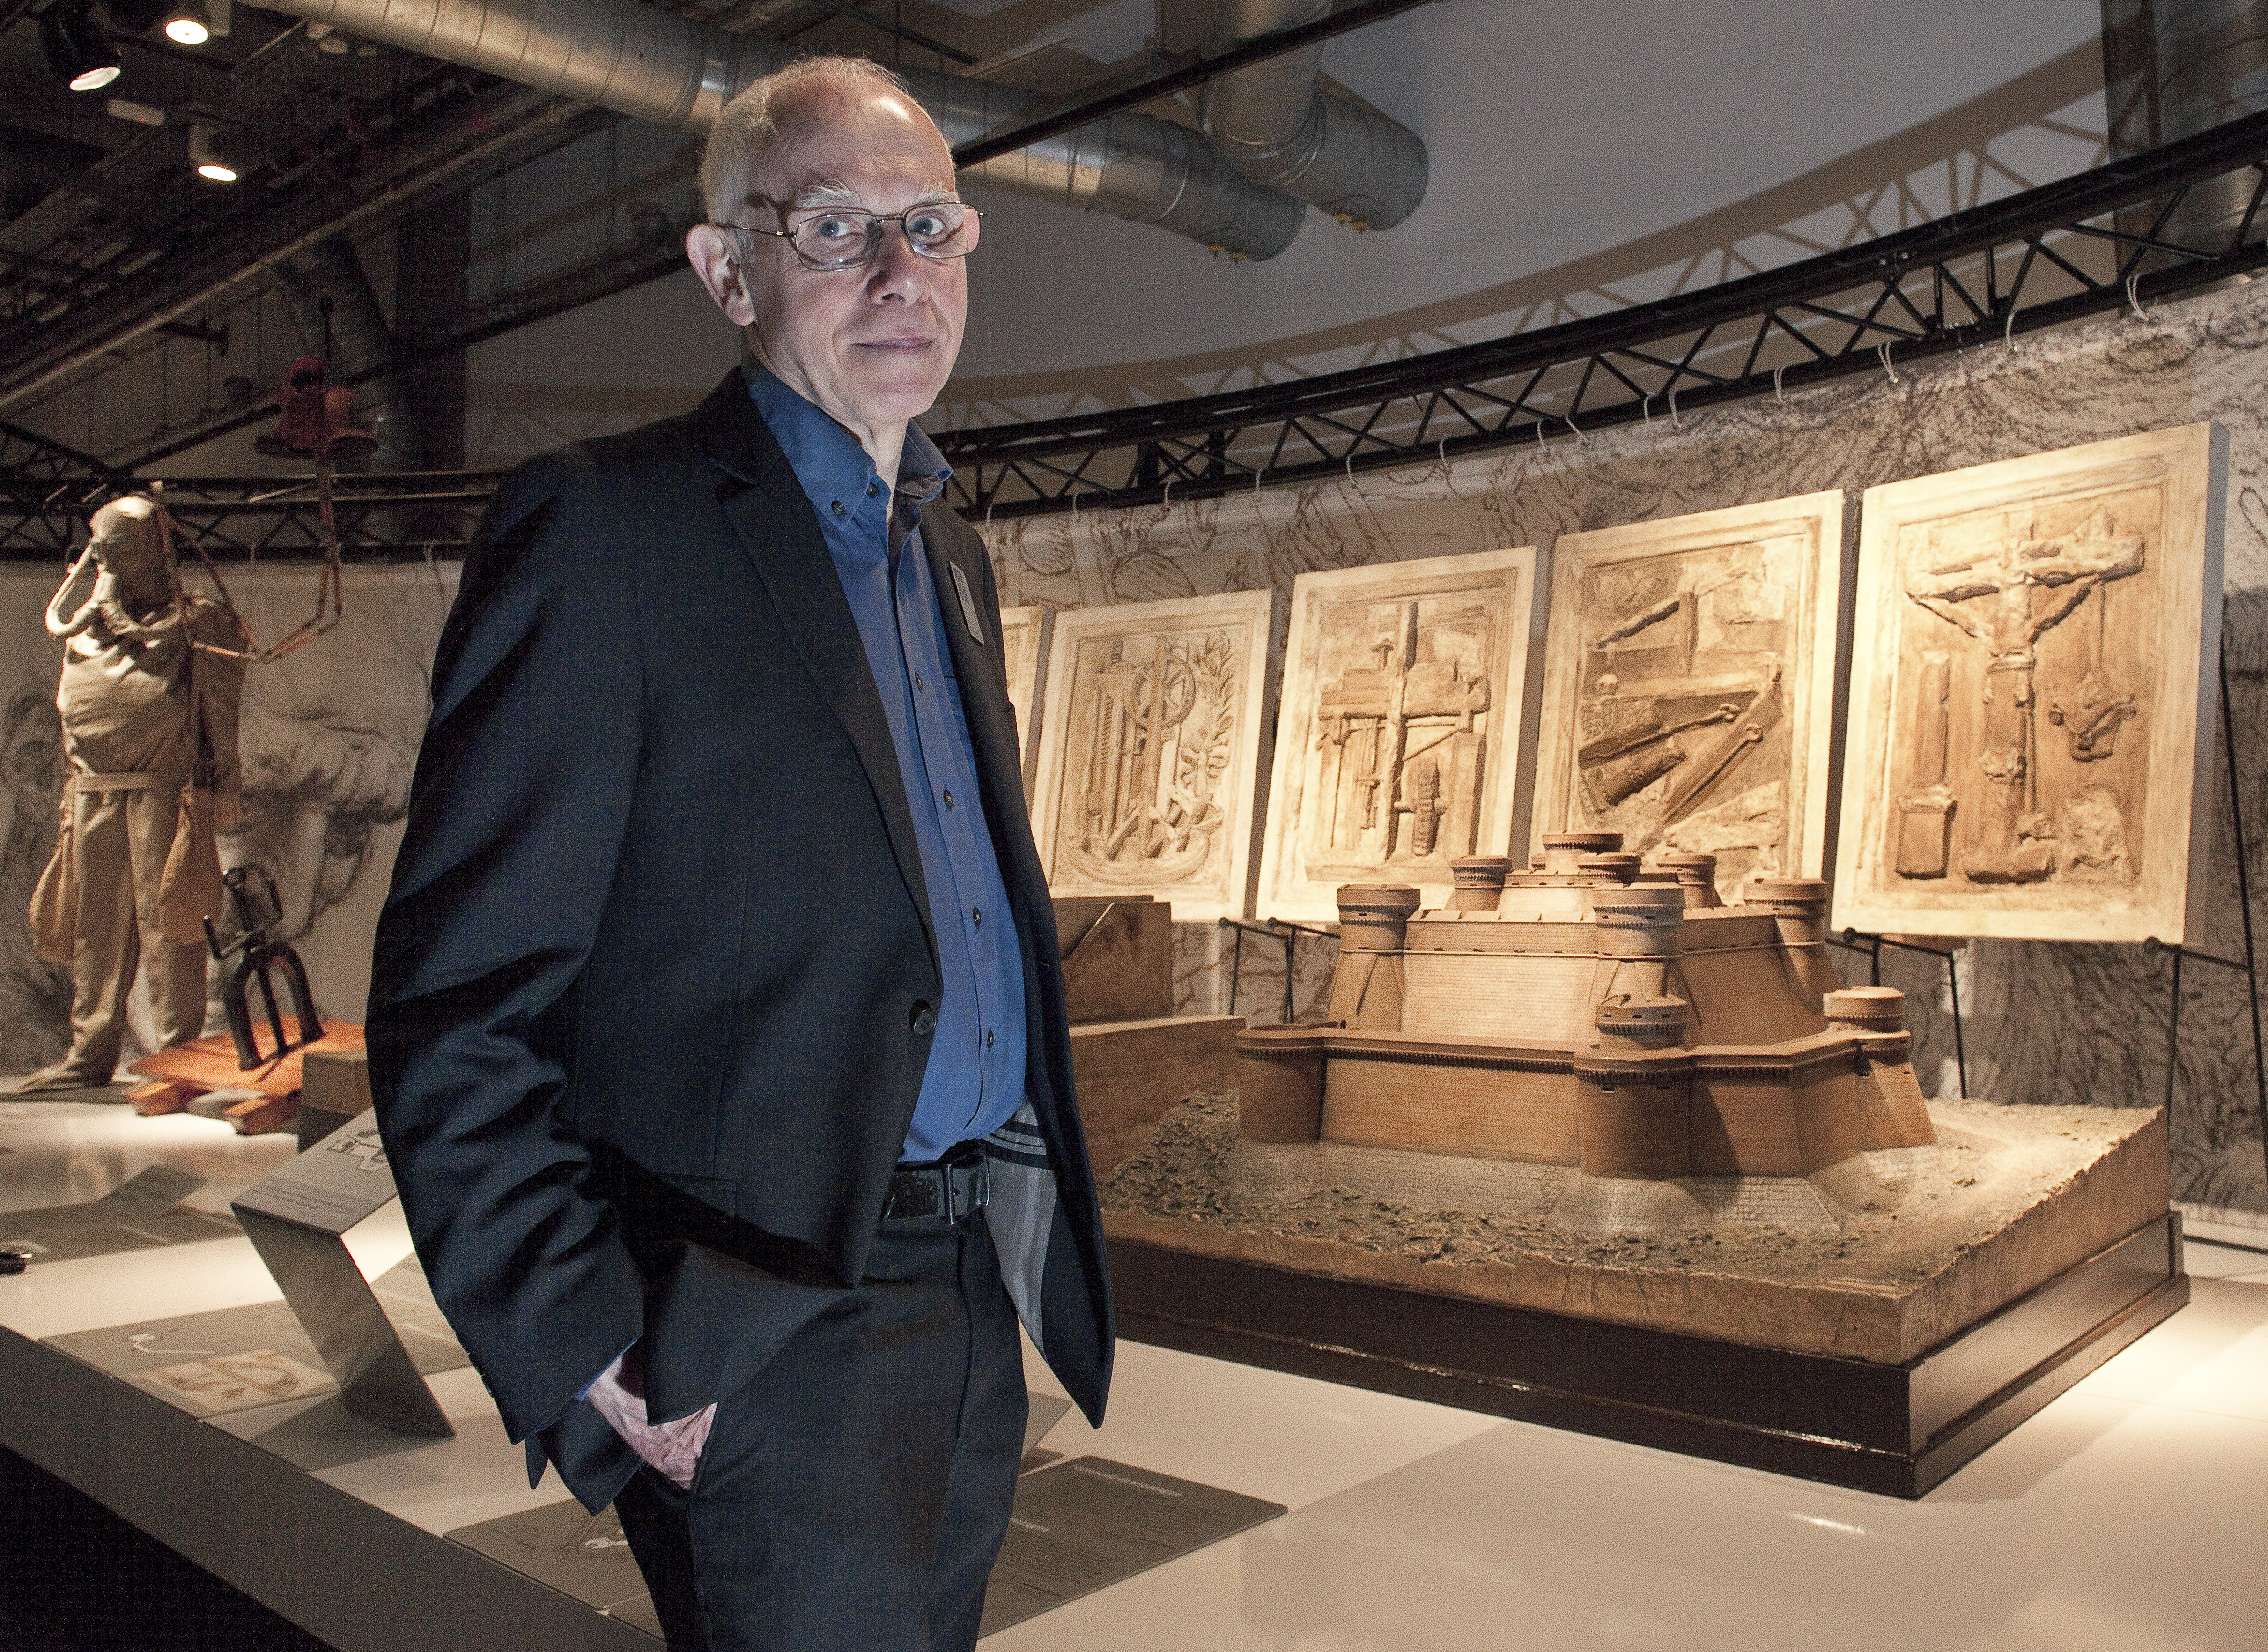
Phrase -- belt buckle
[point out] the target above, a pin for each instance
(980, 1187)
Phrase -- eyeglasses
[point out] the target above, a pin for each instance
(849, 238)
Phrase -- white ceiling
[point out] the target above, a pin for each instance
(1555, 132)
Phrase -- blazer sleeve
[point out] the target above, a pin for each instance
(516, 816)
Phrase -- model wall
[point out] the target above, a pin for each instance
(2043, 1023)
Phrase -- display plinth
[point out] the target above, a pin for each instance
(1130, 1074)
(1896, 1430)
(1874, 1326)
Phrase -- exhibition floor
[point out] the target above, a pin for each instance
(2131, 1514)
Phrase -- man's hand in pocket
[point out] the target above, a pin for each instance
(673, 1448)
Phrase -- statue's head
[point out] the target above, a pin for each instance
(131, 548)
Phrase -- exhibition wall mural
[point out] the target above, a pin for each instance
(2045, 1022)
(1689, 692)
(329, 737)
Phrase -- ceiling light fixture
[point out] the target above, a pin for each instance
(186, 26)
(207, 159)
(77, 50)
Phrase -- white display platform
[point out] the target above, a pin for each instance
(2128, 1513)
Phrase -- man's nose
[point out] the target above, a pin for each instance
(897, 268)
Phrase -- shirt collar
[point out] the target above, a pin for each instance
(828, 460)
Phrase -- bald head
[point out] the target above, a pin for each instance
(767, 114)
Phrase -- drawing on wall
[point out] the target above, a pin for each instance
(1689, 700)
(1148, 750)
(1023, 634)
(2032, 692)
(1396, 750)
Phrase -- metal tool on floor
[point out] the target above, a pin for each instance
(258, 910)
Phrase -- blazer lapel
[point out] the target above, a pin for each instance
(772, 516)
(955, 565)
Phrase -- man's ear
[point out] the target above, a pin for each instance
(716, 258)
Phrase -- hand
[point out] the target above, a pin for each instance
(673, 1450)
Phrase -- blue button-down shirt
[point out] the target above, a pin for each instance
(974, 1080)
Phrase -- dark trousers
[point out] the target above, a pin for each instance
(855, 1494)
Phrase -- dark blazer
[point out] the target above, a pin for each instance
(653, 989)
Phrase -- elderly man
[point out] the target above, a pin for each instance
(717, 1023)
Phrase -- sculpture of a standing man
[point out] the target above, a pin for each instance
(150, 730)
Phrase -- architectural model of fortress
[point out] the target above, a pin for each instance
(1591, 1013)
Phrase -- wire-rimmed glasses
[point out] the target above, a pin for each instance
(849, 238)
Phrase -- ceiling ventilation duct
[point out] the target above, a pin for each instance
(653, 66)
(1280, 126)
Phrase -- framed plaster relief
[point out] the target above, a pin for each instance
(1397, 748)
(1024, 633)
(1688, 693)
(1149, 748)
(2032, 695)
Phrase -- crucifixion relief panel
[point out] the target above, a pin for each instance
(1148, 750)
(2032, 694)
(1689, 694)
(1397, 745)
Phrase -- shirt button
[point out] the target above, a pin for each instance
(838, 507)
(976, 917)
(948, 797)
(919, 683)
(988, 1037)
(872, 488)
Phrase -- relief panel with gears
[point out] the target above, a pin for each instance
(1150, 749)
(2032, 694)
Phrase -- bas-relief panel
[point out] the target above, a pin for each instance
(1398, 744)
(1148, 750)
(1689, 693)
(1024, 633)
(2043, 1021)
(329, 737)
(2035, 667)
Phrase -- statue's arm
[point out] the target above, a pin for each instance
(220, 706)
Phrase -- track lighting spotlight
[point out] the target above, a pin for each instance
(208, 159)
(186, 26)
(77, 50)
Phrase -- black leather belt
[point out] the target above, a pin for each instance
(950, 1188)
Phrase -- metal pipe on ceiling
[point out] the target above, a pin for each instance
(653, 66)
(1279, 125)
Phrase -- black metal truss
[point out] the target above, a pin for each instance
(380, 518)
(1977, 277)
(45, 489)
(1974, 279)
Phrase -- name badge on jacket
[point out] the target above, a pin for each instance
(967, 603)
